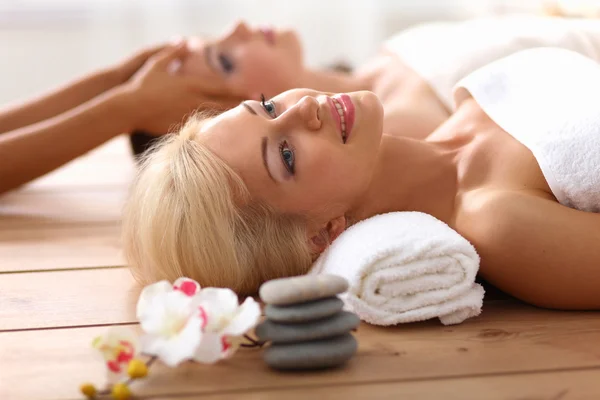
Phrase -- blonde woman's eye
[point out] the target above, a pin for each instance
(268, 105)
(288, 157)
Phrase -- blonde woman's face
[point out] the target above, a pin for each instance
(248, 61)
(302, 151)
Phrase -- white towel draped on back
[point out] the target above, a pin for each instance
(444, 52)
(549, 100)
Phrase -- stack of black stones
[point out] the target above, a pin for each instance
(305, 323)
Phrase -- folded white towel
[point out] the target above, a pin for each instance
(405, 267)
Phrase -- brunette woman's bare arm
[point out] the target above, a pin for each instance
(72, 94)
(153, 100)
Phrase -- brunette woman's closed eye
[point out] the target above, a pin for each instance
(226, 64)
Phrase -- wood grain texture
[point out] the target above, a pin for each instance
(67, 298)
(49, 247)
(23, 210)
(558, 385)
(109, 165)
(508, 339)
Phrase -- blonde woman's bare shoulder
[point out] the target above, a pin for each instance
(535, 248)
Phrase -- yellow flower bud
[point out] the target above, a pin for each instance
(88, 390)
(137, 369)
(120, 391)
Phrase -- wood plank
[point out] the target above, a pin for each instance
(109, 164)
(67, 298)
(110, 293)
(559, 385)
(84, 173)
(20, 209)
(508, 338)
(46, 248)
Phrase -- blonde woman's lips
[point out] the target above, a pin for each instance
(349, 113)
(337, 114)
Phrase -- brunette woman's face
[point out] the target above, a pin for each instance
(248, 62)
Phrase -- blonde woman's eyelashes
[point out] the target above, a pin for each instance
(288, 156)
(268, 105)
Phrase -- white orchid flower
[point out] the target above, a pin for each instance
(223, 323)
(170, 319)
(118, 346)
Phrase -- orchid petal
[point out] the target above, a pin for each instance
(234, 343)
(166, 313)
(113, 339)
(245, 318)
(186, 285)
(177, 348)
(218, 300)
(218, 305)
(118, 345)
(150, 292)
(210, 349)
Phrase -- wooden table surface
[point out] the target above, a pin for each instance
(62, 282)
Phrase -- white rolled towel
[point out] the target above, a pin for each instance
(405, 267)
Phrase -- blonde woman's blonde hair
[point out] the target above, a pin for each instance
(189, 214)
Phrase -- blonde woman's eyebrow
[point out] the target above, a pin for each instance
(263, 150)
(250, 109)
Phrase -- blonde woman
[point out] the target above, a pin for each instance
(261, 190)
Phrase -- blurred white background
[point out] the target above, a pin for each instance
(46, 42)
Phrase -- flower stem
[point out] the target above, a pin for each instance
(253, 343)
(128, 381)
(151, 361)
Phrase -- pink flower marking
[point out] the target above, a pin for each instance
(225, 343)
(114, 366)
(125, 352)
(188, 288)
(203, 317)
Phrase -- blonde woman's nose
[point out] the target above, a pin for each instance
(305, 113)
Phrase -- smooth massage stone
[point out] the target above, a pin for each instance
(318, 354)
(300, 289)
(338, 324)
(304, 312)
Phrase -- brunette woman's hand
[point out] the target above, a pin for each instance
(127, 67)
(159, 100)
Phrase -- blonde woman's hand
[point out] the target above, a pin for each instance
(160, 100)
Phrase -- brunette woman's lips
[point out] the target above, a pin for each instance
(349, 112)
(269, 35)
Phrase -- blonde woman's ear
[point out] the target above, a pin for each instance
(327, 234)
(335, 227)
